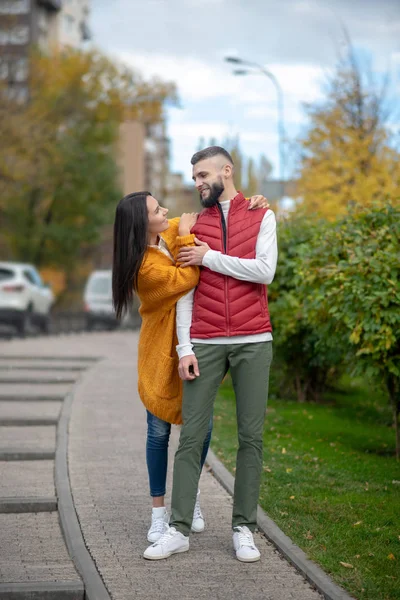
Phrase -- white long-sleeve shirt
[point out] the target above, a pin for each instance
(260, 269)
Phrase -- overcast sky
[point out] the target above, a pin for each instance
(297, 40)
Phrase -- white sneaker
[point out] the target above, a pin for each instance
(243, 542)
(159, 524)
(171, 542)
(198, 523)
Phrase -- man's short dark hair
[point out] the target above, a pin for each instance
(210, 152)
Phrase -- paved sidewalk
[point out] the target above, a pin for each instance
(110, 490)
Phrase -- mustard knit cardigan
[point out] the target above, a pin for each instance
(160, 285)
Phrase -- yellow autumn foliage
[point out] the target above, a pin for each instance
(346, 155)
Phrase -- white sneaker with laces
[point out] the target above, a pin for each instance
(243, 543)
(198, 523)
(171, 542)
(159, 524)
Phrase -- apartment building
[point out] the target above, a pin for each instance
(24, 23)
(73, 29)
(42, 23)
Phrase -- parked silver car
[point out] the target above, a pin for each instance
(25, 301)
(98, 301)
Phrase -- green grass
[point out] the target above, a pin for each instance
(331, 482)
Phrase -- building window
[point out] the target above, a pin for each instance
(20, 35)
(13, 69)
(17, 94)
(19, 70)
(17, 36)
(68, 23)
(14, 7)
(3, 70)
(42, 21)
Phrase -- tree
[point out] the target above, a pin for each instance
(252, 183)
(58, 173)
(233, 147)
(349, 279)
(264, 171)
(346, 156)
(304, 362)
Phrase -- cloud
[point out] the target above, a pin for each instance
(196, 79)
(298, 40)
(306, 31)
(193, 131)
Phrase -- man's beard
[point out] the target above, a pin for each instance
(216, 190)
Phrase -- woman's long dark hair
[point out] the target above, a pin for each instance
(130, 244)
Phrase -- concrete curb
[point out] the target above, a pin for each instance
(37, 381)
(39, 367)
(94, 586)
(33, 398)
(33, 422)
(46, 590)
(27, 505)
(26, 454)
(38, 358)
(312, 572)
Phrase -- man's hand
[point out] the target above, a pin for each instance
(190, 256)
(188, 368)
(258, 201)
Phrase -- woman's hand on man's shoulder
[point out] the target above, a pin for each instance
(187, 221)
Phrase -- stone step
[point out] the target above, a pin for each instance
(26, 479)
(36, 378)
(14, 366)
(34, 562)
(31, 398)
(29, 413)
(28, 505)
(27, 443)
(24, 389)
(50, 358)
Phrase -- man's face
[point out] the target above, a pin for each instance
(208, 178)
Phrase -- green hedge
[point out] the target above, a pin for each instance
(335, 303)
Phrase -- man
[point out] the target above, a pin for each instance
(225, 326)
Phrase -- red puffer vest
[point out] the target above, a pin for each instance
(224, 306)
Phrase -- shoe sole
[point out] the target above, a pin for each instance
(166, 555)
(197, 530)
(248, 560)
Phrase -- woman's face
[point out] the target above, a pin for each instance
(157, 216)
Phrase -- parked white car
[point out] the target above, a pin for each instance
(24, 299)
(98, 300)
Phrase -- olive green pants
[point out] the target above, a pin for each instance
(249, 366)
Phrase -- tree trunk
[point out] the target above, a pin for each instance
(47, 220)
(393, 386)
(300, 391)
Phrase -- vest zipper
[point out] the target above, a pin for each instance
(224, 241)
(223, 223)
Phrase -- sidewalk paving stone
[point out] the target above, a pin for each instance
(33, 549)
(108, 476)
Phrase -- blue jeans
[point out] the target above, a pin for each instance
(158, 433)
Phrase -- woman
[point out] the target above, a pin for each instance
(146, 246)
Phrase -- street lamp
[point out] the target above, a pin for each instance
(281, 127)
